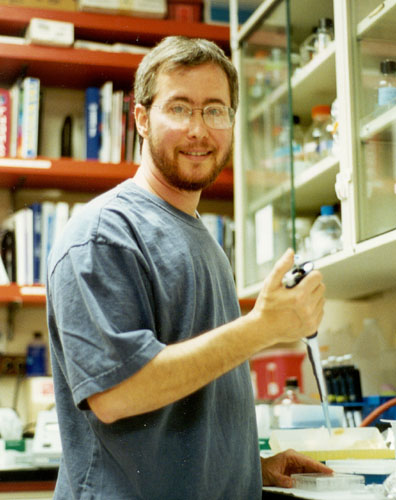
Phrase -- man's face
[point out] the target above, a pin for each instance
(191, 155)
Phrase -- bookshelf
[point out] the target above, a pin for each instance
(34, 295)
(79, 175)
(125, 29)
(78, 69)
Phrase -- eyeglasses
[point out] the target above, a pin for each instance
(215, 116)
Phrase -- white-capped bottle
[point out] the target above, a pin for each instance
(326, 233)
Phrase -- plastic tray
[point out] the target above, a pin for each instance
(327, 482)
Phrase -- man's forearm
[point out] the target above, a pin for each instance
(178, 370)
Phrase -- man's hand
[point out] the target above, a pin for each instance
(276, 470)
(289, 314)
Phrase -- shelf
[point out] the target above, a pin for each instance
(319, 73)
(314, 187)
(370, 269)
(67, 67)
(26, 295)
(88, 176)
(114, 28)
(317, 81)
(379, 123)
(35, 296)
(380, 23)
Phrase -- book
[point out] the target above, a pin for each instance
(116, 126)
(129, 112)
(23, 224)
(61, 218)
(106, 98)
(92, 122)
(5, 122)
(15, 92)
(30, 117)
(36, 209)
(8, 249)
(4, 279)
(47, 235)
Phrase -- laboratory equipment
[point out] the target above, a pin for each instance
(291, 279)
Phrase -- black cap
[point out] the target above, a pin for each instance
(325, 23)
(388, 66)
(291, 382)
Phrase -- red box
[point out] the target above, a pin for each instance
(186, 11)
(272, 368)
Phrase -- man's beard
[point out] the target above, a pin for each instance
(169, 168)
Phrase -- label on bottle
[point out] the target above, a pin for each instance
(386, 95)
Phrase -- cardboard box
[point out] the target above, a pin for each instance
(138, 8)
(49, 32)
(184, 11)
(42, 4)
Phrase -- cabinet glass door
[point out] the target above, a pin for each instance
(375, 74)
(263, 180)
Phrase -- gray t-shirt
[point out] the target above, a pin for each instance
(131, 274)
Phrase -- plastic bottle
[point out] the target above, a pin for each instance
(291, 395)
(387, 83)
(318, 139)
(325, 235)
(36, 358)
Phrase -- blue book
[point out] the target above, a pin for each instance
(30, 117)
(92, 122)
(36, 207)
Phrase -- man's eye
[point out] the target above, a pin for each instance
(179, 109)
(214, 111)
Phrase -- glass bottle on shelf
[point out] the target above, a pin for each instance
(281, 405)
(325, 234)
(387, 83)
(298, 146)
(318, 139)
(324, 34)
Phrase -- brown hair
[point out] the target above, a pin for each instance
(174, 52)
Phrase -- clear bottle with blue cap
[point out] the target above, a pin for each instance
(326, 233)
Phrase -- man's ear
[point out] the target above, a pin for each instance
(141, 120)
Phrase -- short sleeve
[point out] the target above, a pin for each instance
(101, 302)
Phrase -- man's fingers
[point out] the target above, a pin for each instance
(281, 267)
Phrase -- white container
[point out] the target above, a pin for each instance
(326, 233)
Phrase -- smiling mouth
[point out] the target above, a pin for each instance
(197, 154)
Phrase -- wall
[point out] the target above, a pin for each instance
(341, 326)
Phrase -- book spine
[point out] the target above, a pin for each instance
(106, 97)
(15, 97)
(5, 122)
(92, 122)
(47, 233)
(116, 126)
(30, 117)
(24, 246)
(36, 208)
(8, 252)
(130, 129)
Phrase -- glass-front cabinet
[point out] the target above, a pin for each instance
(316, 136)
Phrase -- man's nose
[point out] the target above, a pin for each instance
(197, 125)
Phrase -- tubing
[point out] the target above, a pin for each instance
(377, 412)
